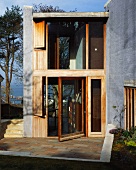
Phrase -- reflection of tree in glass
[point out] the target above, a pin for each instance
(64, 52)
(68, 91)
(66, 31)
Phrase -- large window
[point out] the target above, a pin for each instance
(96, 57)
(67, 45)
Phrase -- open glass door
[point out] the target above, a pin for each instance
(71, 108)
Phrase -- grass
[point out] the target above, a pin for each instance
(26, 163)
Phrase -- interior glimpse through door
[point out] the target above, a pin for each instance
(71, 108)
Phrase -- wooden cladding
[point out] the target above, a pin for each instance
(37, 96)
(39, 34)
(40, 60)
(130, 107)
(39, 126)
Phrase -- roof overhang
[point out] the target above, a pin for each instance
(71, 15)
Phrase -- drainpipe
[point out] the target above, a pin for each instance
(1, 79)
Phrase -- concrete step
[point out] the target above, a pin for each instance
(16, 121)
(14, 128)
(14, 131)
(13, 135)
(17, 126)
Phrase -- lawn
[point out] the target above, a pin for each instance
(25, 163)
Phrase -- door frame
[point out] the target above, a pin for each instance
(76, 134)
(103, 108)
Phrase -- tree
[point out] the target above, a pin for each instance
(11, 28)
(46, 8)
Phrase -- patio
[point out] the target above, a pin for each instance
(76, 149)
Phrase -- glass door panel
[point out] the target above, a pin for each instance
(71, 108)
(96, 105)
(96, 113)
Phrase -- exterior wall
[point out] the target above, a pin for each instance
(35, 68)
(28, 53)
(121, 52)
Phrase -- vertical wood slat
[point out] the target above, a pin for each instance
(131, 116)
(39, 34)
(103, 105)
(134, 107)
(39, 124)
(83, 101)
(104, 46)
(37, 96)
(40, 60)
(59, 108)
(47, 115)
(47, 41)
(130, 111)
(87, 46)
(87, 107)
(129, 108)
(125, 112)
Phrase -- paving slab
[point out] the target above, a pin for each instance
(83, 148)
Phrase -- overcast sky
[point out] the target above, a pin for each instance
(67, 5)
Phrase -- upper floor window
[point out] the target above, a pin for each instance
(96, 56)
(70, 44)
(67, 43)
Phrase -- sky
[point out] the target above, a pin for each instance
(67, 5)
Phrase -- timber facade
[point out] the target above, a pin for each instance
(69, 63)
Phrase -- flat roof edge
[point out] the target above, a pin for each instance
(70, 14)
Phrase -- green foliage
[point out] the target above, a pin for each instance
(126, 133)
(128, 137)
(130, 143)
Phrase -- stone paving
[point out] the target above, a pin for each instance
(81, 148)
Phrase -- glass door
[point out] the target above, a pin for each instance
(96, 115)
(71, 108)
